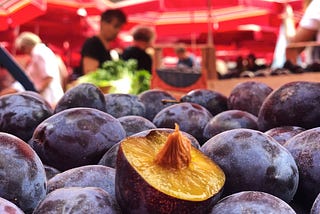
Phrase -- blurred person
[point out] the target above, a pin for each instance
(143, 38)
(308, 30)
(96, 49)
(184, 57)
(8, 84)
(43, 68)
(287, 29)
(251, 63)
(64, 74)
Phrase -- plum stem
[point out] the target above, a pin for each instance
(176, 151)
(165, 101)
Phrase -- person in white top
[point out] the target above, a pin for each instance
(308, 30)
(43, 69)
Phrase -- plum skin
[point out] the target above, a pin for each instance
(119, 105)
(21, 113)
(191, 118)
(230, 119)
(152, 100)
(251, 202)
(83, 95)
(305, 148)
(214, 101)
(78, 200)
(85, 176)
(23, 178)
(315, 209)
(248, 96)
(253, 160)
(76, 137)
(293, 104)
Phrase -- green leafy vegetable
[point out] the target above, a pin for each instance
(120, 76)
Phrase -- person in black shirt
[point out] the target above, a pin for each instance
(95, 50)
(143, 37)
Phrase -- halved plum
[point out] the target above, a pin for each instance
(165, 174)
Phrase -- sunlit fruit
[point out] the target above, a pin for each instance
(78, 200)
(21, 113)
(22, 174)
(227, 120)
(110, 157)
(315, 209)
(305, 148)
(76, 137)
(133, 124)
(119, 105)
(164, 173)
(253, 161)
(252, 202)
(82, 95)
(283, 133)
(7, 207)
(214, 101)
(191, 117)
(153, 101)
(293, 104)
(248, 96)
(85, 176)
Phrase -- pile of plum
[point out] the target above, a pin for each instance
(64, 159)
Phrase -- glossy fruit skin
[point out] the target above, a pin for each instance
(50, 171)
(110, 157)
(21, 113)
(293, 104)
(36, 95)
(22, 175)
(7, 207)
(305, 148)
(191, 117)
(248, 96)
(214, 101)
(82, 95)
(89, 200)
(119, 105)
(143, 198)
(283, 133)
(315, 209)
(76, 137)
(253, 161)
(133, 124)
(252, 202)
(85, 176)
(152, 100)
(227, 120)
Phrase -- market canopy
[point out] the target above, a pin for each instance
(59, 23)
(16, 12)
(175, 18)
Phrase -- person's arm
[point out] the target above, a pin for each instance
(309, 26)
(302, 35)
(44, 84)
(89, 64)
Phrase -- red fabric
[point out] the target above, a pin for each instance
(20, 11)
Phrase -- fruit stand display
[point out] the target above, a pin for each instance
(122, 140)
(205, 152)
